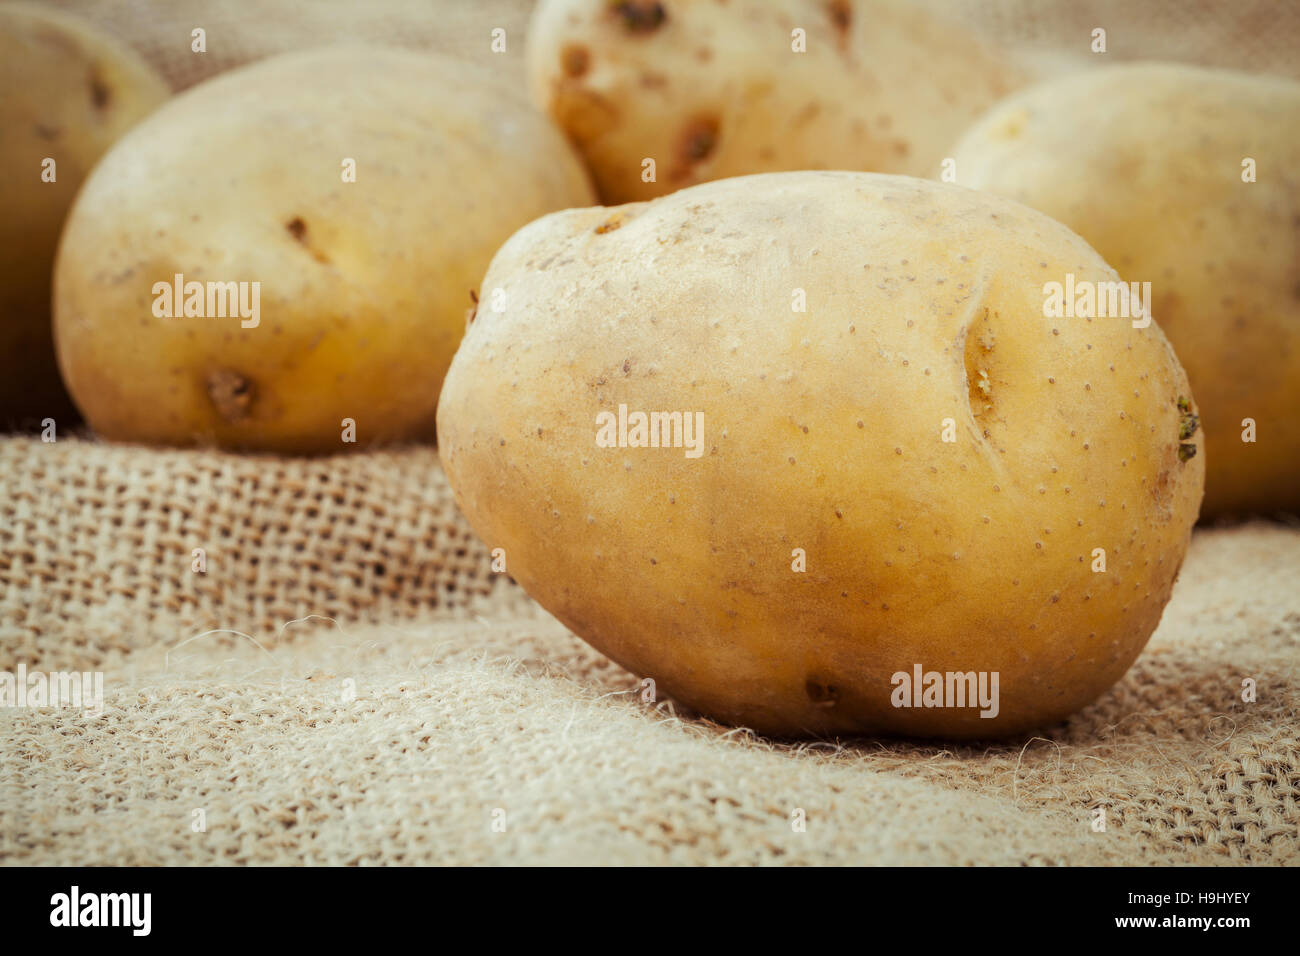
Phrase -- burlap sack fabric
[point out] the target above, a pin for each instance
(348, 682)
(439, 695)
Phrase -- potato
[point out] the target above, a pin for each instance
(1146, 163)
(708, 90)
(894, 460)
(362, 286)
(66, 93)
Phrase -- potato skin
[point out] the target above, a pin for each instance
(66, 93)
(365, 285)
(1145, 162)
(823, 432)
(710, 90)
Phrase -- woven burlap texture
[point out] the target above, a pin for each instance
(440, 701)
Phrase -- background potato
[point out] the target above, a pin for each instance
(823, 432)
(1145, 162)
(711, 90)
(66, 93)
(365, 285)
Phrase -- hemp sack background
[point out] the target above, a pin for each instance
(429, 693)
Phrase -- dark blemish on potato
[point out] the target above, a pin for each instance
(99, 93)
(698, 141)
(575, 60)
(640, 16)
(977, 352)
(627, 366)
(1188, 421)
(806, 115)
(231, 394)
(701, 139)
(841, 14)
(298, 229)
(821, 693)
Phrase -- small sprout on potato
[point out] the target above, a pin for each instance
(1186, 451)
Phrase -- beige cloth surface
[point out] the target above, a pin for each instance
(1260, 36)
(440, 700)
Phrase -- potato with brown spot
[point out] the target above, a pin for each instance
(1145, 161)
(710, 89)
(363, 284)
(67, 92)
(820, 535)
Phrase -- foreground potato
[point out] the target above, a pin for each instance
(363, 286)
(1145, 162)
(709, 89)
(823, 442)
(66, 93)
